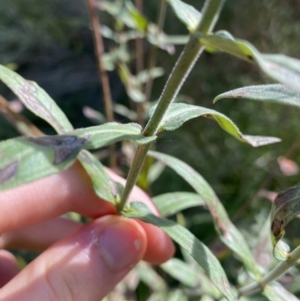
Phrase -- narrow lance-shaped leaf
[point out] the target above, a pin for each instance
(262, 251)
(173, 202)
(284, 69)
(36, 100)
(285, 207)
(150, 277)
(229, 234)
(102, 135)
(24, 160)
(191, 275)
(189, 242)
(125, 12)
(277, 292)
(206, 287)
(186, 13)
(267, 93)
(101, 183)
(182, 272)
(179, 113)
(177, 295)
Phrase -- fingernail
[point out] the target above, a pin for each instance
(121, 245)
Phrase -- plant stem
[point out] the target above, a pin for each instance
(210, 15)
(104, 81)
(279, 270)
(181, 70)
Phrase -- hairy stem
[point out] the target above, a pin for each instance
(210, 15)
(182, 68)
(104, 81)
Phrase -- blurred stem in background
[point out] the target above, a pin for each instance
(139, 60)
(104, 81)
(153, 51)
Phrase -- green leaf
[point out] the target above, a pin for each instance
(164, 41)
(144, 76)
(186, 13)
(176, 295)
(100, 180)
(182, 272)
(125, 112)
(102, 135)
(228, 233)
(133, 90)
(268, 93)
(281, 68)
(150, 277)
(25, 160)
(189, 242)
(119, 37)
(139, 21)
(276, 292)
(179, 113)
(284, 208)
(205, 287)
(126, 12)
(191, 275)
(36, 100)
(173, 202)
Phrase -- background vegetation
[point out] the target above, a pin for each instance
(51, 43)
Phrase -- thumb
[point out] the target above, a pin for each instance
(85, 265)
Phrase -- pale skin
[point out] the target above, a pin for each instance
(78, 262)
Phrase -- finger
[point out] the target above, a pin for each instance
(40, 236)
(160, 247)
(86, 265)
(47, 198)
(8, 266)
(71, 190)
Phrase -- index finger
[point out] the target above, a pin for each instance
(71, 190)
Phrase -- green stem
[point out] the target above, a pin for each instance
(210, 15)
(185, 63)
(182, 68)
(279, 270)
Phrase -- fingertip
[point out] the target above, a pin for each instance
(86, 265)
(8, 266)
(160, 247)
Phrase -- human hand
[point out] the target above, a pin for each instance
(78, 262)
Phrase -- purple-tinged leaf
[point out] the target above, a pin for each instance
(285, 207)
(36, 100)
(24, 160)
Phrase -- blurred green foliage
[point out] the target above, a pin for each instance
(56, 33)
